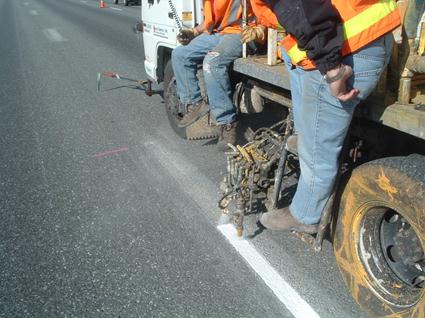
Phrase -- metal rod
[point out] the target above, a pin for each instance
(146, 84)
(279, 176)
(324, 221)
(282, 162)
(251, 190)
(244, 13)
(149, 90)
(326, 217)
(240, 208)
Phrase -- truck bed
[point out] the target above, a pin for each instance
(406, 118)
(256, 67)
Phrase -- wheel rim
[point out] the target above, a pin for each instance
(392, 256)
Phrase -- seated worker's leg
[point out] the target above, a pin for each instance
(185, 61)
(216, 74)
(323, 125)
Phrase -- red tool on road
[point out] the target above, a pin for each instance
(102, 4)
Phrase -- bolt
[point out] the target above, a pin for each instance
(394, 218)
(420, 107)
(418, 281)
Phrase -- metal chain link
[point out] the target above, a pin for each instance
(175, 15)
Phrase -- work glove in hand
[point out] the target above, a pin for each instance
(253, 33)
(186, 35)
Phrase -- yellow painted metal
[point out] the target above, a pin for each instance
(421, 48)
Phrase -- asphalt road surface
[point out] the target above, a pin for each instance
(104, 211)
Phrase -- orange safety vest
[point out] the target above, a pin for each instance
(224, 16)
(363, 21)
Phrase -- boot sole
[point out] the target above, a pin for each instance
(202, 129)
(200, 115)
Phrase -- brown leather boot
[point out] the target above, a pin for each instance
(194, 112)
(282, 219)
(228, 135)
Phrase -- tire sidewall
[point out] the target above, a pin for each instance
(374, 185)
(169, 79)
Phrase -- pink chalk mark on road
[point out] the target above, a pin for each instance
(110, 152)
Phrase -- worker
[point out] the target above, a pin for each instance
(215, 43)
(336, 51)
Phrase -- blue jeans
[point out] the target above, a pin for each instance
(322, 122)
(216, 52)
(295, 86)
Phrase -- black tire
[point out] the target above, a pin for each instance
(171, 101)
(116, 1)
(126, 2)
(380, 236)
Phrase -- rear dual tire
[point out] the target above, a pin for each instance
(381, 226)
(201, 129)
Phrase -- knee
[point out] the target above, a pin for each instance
(179, 54)
(211, 62)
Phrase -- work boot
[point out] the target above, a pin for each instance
(292, 144)
(228, 135)
(282, 219)
(194, 112)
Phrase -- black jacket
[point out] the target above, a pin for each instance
(316, 25)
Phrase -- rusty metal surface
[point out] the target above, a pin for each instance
(257, 68)
(251, 170)
(405, 118)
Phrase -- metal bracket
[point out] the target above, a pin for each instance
(145, 84)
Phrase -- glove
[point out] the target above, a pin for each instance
(252, 33)
(186, 35)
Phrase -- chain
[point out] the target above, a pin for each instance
(175, 15)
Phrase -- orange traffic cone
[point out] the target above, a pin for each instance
(102, 4)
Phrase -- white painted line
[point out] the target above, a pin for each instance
(113, 8)
(203, 192)
(26, 3)
(83, 1)
(33, 12)
(283, 291)
(53, 35)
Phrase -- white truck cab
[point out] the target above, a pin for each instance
(161, 20)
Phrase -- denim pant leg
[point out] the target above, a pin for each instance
(216, 74)
(323, 125)
(185, 60)
(295, 81)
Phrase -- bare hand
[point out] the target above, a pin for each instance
(252, 33)
(339, 87)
